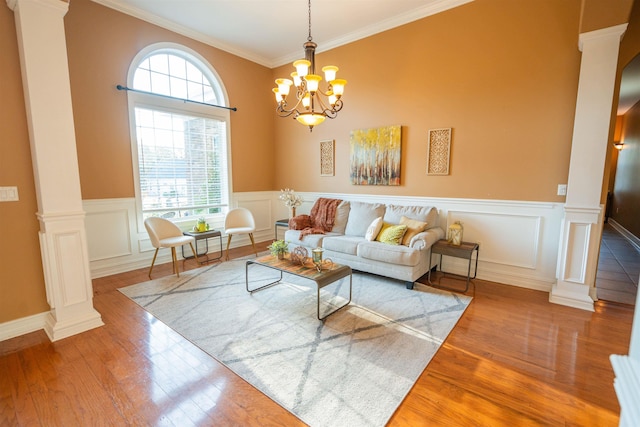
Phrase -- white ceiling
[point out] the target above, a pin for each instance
(271, 32)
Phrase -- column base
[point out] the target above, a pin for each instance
(57, 329)
(572, 295)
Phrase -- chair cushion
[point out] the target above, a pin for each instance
(169, 242)
(240, 230)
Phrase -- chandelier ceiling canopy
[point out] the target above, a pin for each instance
(310, 108)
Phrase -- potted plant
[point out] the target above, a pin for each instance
(201, 225)
(279, 248)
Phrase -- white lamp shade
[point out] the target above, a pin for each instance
(302, 67)
(330, 72)
(313, 82)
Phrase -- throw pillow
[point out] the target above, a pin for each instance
(391, 234)
(413, 227)
(374, 229)
(299, 222)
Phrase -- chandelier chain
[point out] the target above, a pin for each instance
(309, 38)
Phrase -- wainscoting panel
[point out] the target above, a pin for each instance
(518, 239)
(509, 239)
(110, 232)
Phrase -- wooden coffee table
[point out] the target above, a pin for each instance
(328, 275)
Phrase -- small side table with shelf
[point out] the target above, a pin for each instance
(204, 235)
(281, 223)
(465, 250)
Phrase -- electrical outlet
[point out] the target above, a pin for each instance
(562, 189)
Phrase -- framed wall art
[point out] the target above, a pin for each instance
(327, 158)
(438, 151)
(375, 156)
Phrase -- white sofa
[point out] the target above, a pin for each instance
(346, 243)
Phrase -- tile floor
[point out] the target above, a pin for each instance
(618, 268)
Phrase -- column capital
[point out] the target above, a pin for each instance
(615, 31)
(60, 5)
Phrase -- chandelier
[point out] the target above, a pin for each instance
(310, 108)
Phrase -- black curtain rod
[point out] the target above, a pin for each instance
(120, 87)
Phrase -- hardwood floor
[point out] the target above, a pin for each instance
(514, 359)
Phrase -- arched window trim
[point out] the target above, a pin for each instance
(137, 99)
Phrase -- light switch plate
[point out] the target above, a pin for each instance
(562, 189)
(8, 194)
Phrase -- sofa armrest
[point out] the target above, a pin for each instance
(423, 241)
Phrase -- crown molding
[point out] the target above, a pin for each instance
(431, 8)
(182, 30)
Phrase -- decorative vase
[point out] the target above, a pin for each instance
(454, 233)
(280, 255)
(292, 212)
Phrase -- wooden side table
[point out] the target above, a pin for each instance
(281, 223)
(465, 250)
(204, 235)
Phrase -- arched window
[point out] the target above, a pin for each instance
(180, 149)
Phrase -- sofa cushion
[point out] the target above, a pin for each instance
(391, 234)
(428, 214)
(413, 227)
(310, 240)
(393, 254)
(361, 215)
(342, 215)
(343, 244)
(374, 229)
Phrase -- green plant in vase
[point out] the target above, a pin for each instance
(201, 225)
(279, 248)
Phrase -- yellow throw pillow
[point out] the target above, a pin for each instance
(413, 227)
(391, 234)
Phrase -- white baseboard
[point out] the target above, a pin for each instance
(635, 241)
(23, 326)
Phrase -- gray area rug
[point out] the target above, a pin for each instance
(353, 369)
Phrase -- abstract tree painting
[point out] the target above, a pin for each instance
(375, 156)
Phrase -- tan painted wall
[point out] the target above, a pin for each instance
(597, 14)
(502, 74)
(101, 44)
(21, 277)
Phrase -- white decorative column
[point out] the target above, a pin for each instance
(45, 79)
(581, 230)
